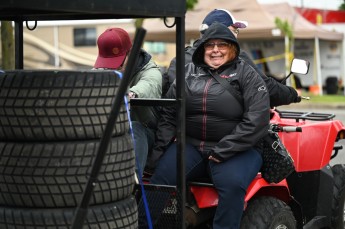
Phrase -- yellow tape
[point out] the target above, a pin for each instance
(270, 58)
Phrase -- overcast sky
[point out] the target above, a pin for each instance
(320, 4)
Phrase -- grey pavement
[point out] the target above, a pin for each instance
(314, 105)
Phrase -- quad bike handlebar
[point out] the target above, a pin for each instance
(299, 98)
(304, 97)
(278, 128)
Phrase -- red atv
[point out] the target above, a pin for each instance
(313, 196)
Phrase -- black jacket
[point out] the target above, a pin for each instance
(280, 94)
(216, 122)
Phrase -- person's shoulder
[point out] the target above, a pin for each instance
(245, 64)
(191, 68)
(243, 54)
(189, 49)
(189, 53)
(247, 72)
(240, 62)
(150, 68)
(189, 65)
(244, 57)
(151, 62)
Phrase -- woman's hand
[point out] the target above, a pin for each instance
(213, 159)
(132, 95)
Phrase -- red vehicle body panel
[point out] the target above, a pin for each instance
(207, 196)
(308, 150)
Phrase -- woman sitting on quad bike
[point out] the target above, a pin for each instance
(221, 133)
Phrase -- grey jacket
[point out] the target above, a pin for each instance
(146, 83)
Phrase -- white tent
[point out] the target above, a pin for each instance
(261, 21)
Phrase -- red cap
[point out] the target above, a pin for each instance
(113, 46)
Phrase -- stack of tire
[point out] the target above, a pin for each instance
(51, 124)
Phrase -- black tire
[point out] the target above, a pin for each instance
(54, 174)
(338, 210)
(121, 214)
(58, 105)
(268, 213)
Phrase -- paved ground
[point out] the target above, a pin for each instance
(312, 105)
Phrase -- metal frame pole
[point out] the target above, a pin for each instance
(19, 44)
(181, 119)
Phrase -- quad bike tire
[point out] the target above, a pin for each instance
(121, 214)
(268, 213)
(338, 202)
(54, 174)
(47, 105)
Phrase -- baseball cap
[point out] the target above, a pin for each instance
(113, 46)
(222, 16)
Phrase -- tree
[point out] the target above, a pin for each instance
(342, 6)
(190, 4)
(7, 45)
(287, 29)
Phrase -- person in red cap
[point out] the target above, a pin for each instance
(114, 45)
(279, 94)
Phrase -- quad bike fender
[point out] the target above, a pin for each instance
(312, 148)
(260, 187)
(207, 196)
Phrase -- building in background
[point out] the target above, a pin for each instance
(332, 20)
(72, 44)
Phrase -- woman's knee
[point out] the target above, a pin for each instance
(237, 172)
(165, 172)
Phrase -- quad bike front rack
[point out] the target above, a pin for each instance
(305, 115)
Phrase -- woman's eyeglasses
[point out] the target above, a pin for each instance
(220, 45)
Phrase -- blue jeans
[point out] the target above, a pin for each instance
(231, 178)
(144, 138)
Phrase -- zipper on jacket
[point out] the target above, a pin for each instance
(204, 113)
